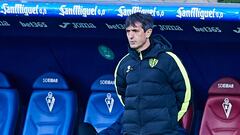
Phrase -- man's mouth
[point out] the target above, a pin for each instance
(132, 42)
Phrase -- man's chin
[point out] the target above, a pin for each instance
(133, 46)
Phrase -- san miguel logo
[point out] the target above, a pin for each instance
(22, 9)
(200, 13)
(153, 62)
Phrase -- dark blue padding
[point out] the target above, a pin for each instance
(50, 80)
(98, 113)
(41, 118)
(104, 83)
(9, 103)
(3, 81)
(221, 112)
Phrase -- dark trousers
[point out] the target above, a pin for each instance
(86, 129)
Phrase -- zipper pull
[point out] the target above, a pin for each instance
(140, 55)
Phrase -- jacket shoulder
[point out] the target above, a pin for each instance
(165, 57)
(123, 61)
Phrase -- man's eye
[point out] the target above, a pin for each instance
(135, 31)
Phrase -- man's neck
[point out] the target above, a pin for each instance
(144, 47)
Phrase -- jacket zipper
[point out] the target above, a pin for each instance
(139, 96)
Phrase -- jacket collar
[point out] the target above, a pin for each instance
(158, 44)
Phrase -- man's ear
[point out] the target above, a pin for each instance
(148, 33)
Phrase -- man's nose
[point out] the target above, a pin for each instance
(130, 35)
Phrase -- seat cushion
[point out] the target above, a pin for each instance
(104, 106)
(222, 110)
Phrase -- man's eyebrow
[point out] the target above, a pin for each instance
(134, 29)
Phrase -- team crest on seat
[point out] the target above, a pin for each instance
(109, 102)
(227, 107)
(50, 101)
(153, 62)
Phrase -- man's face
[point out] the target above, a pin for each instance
(137, 38)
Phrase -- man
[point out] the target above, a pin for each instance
(151, 82)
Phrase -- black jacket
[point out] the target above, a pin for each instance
(155, 89)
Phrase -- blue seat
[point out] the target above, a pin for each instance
(9, 103)
(52, 107)
(104, 106)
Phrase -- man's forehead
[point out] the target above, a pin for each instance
(137, 25)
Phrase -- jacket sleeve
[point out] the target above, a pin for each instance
(120, 88)
(179, 80)
(120, 81)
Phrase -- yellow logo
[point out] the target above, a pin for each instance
(153, 62)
